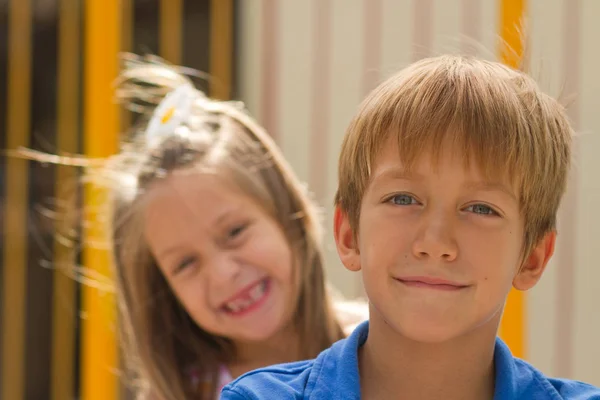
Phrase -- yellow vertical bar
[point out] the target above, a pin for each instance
(67, 131)
(512, 327)
(221, 48)
(101, 127)
(127, 18)
(125, 119)
(127, 21)
(171, 38)
(512, 13)
(16, 201)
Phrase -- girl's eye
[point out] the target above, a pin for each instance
(403, 200)
(236, 231)
(186, 262)
(482, 209)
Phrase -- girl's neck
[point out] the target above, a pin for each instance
(282, 347)
(392, 366)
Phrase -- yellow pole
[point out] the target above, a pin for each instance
(16, 201)
(127, 20)
(101, 131)
(221, 48)
(67, 134)
(171, 38)
(512, 327)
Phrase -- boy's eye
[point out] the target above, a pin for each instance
(403, 200)
(481, 209)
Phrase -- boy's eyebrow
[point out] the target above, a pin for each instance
(491, 186)
(396, 173)
(392, 173)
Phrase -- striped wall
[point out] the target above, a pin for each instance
(58, 60)
(304, 66)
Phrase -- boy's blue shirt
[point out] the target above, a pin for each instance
(334, 375)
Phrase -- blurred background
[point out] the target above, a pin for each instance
(302, 68)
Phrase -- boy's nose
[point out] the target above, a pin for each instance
(435, 239)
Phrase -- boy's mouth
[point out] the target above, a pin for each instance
(248, 299)
(427, 282)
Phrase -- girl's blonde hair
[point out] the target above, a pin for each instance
(160, 339)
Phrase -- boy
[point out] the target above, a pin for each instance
(450, 177)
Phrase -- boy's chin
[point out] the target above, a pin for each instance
(427, 332)
(430, 336)
(430, 330)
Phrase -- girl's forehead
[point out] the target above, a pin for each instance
(214, 198)
(196, 192)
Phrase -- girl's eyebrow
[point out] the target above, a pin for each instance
(219, 220)
(168, 251)
(224, 215)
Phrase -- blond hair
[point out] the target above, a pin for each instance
(160, 339)
(496, 116)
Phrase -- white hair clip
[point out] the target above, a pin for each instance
(172, 112)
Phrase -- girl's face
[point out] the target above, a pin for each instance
(227, 261)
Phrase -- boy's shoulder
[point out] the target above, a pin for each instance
(517, 379)
(532, 382)
(285, 381)
(334, 375)
(575, 390)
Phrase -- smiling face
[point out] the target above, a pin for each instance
(225, 259)
(439, 247)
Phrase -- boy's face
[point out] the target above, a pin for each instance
(440, 248)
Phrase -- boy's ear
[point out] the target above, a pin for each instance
(344, 240)
(534, 265)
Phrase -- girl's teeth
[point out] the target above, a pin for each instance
(238, 305)
(257, 291)
(255, 294)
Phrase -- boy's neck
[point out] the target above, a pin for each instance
(282, 347)
(392, 366)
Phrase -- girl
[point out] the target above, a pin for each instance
(216, 243)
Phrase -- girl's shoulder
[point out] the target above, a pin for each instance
(202, 383)
(351, 313)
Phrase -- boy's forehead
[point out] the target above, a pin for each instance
(390, 164)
